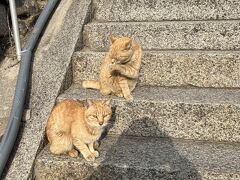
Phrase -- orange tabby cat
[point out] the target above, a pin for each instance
(72, 123)
(119, 70)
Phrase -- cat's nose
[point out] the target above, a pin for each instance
(101, 123)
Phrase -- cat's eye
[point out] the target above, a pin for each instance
(127, 48)
(93, 117)
(107, 117)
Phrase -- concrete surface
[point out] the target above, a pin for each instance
(8, 78)
(145, 158)
(158, 10)
(3, 125)
(171, 68)
(182, 35)
(200, 114)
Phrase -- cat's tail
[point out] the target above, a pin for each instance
(92, 84)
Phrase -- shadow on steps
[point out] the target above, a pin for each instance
(144, 158)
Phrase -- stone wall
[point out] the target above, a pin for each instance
(3, 21)
(27, 11)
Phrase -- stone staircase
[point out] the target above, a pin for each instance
(184, 120)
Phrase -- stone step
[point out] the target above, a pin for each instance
(184, 35)
(158, 10)
(145, 158)
(171, 68)
(200, 114)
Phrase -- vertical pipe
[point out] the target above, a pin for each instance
(15, 27)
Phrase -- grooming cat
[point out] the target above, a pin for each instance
(72, 123)
(120, 69)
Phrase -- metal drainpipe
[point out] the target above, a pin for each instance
(15, 28)
(11, 131)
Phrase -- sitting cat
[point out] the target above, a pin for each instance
(120, 69)
(72, 123)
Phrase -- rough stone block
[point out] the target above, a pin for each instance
(181, 35)
(158, 10)
(171, 68)
(200, 114)
(145, 158)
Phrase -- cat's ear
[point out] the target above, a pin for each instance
(108, 102)
(112, 39)
(129, 45)
(87, 103)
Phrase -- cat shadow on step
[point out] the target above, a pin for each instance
(127, 156)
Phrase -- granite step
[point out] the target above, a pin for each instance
(183, 35)
(145, 158)
(200, 114)
(171, 68)
(158, 10)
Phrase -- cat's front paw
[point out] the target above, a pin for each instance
(90, 157)
(112, 67)
(96, 144)
(105, 92)
(129, 98)
(119, 94)
(73, 153)
(96, 153)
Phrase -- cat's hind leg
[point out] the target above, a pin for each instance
(92, 84)
(61, 143)
(105, 89)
